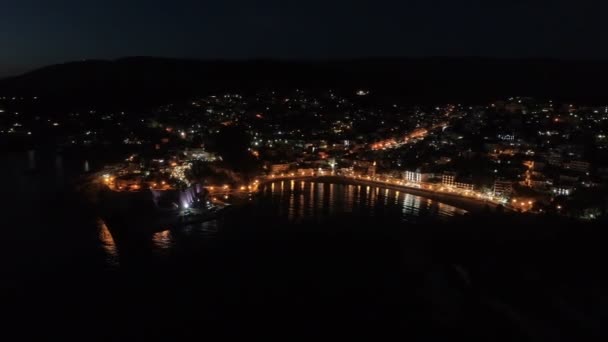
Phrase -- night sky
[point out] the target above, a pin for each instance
(34, 33)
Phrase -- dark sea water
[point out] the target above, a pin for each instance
(301, 201)
(39, 188)
(300, 259)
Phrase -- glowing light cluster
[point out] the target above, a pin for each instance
(179, 172)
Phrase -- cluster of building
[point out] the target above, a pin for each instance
(530, 154)
(168, 177)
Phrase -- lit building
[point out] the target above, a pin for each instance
(416, 176)
(279, 168)
(503, 188)
(465, 186)
(199, 153)
(507, 137)
(449, 179)
(412, 176)
(562, 190)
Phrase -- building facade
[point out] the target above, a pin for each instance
(503, 188)
(449, 179)
(412, 176)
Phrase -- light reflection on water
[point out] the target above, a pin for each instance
(163, 240)
(108, 244)
(170, 239)
(312, 200)
(300, 202)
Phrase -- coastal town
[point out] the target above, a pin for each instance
(370, 170)
(519, 154)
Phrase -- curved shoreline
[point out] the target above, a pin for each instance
(471, 205)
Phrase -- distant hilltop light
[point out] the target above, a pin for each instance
(362, 92)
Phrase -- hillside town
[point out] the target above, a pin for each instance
(525, 154)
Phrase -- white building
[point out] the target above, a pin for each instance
(562, 190)
(413, 176)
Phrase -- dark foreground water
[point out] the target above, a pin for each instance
(302, 259)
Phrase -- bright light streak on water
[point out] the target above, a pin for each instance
(316, 201)
(108, 244)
